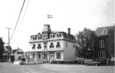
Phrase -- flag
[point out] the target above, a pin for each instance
(49, 16)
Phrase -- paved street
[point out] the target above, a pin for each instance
(54, 68)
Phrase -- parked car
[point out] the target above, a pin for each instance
(91, 62)
(2, 60)
(80, 60)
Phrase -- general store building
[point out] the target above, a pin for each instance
(52, 45)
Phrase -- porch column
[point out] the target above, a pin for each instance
(36, 56)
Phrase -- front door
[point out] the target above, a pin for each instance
(51, 56)
(45, 57)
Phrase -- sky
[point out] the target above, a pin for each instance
(74, 14)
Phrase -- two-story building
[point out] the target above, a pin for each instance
(17, 53)
(52, 46)
(105, 38)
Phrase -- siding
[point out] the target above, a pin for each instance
(69, 51)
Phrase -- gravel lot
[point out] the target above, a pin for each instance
(54, 68)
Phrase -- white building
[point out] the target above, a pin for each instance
(52, 46)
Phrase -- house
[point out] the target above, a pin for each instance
(17, 53)
(52, 46)
(105, 37)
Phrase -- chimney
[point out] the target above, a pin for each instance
(69, 31)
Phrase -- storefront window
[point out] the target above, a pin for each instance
(58, 55)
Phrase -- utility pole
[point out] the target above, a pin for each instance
(8, 35)
(114, 37)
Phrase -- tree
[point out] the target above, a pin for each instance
(9, 48)
(1, 48)
(85, 42)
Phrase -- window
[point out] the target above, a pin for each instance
(105, 31)
(33, 56)
(51, 45)
(59, 35)
(102, 54)
(19, 52)
(31, 38)
(102, 43)
(33, 47)
(53, 35)
(39, 55)
(58, 45)
(35, 38)
(45, 56)
(39, 46)
(39, 37)
(58, 55)
(45, 44)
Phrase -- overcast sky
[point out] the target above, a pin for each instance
(74, 14)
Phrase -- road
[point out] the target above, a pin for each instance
(54, 68)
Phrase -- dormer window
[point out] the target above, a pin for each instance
(105, 31)
(53, 35)
(38, 37)
(59, 35)
(34, 38)
(31, 38)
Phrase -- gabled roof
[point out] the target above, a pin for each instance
(100, 31)
(15, 50)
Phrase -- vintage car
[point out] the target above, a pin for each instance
(91, 62)
(80, 60)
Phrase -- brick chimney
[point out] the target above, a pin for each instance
(69, 31)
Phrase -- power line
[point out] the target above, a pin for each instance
(25, 12)
(14, 11)
(18, 19)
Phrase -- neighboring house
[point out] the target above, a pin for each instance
(52, 46)
(105, 37)
(18, 53)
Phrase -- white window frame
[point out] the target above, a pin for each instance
(102, 43)
(33, 46)
(102, 54)
(58, 45)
